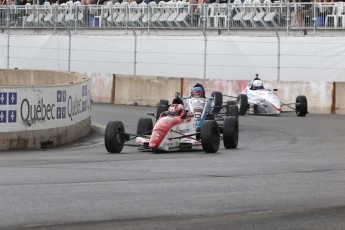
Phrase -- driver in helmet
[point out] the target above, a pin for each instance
(196, 92)
(257, 83)
(201, 87)
(176, 110)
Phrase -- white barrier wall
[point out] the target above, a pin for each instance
(3, 51)
(227, 57)
(36, 108)
(43, 109)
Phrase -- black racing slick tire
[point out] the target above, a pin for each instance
(231, 103)
(232, 110)
(145, 126)
(164, 102)
(161, 108)
(230, 132)
(301, 106)
(210, 136)
(242, 103)
(114, 137)
(218, 101)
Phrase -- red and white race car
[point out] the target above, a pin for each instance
(175, 130)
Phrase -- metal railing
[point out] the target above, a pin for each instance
(175, 15)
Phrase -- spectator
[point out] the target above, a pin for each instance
(8, 2)
(21, 2)
(322, 11)
(303, 10)
(199, 4)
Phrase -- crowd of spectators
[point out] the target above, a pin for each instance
(101, 2)
(304, 9)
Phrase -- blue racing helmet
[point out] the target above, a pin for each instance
(196, 92)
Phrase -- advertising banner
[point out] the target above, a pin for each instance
(37, 108)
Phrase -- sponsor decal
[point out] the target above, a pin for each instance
(37, 112)
(184, 130)
(12, 116)
(3, 115)
(3, 98)
(10, 99)
(41, 110)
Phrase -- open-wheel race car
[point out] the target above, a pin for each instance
(255, 99)
(203, 107)
(175, 130)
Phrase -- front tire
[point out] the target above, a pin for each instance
(301, 106)
(218, 101)
(230, 132)
(145, 126)
(114, 137)
(242, 103)
(210, 136)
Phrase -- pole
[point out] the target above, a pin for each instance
(205, 53)
(278, 57)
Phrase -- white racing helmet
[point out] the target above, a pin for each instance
(257, 84)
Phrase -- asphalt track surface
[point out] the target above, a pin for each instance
(288, 172)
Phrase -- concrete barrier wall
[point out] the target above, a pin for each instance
(41, 109)
(37, 77)
(339, 97)
(44, 138)
(145, 90)
(148, 90)
(129, 90)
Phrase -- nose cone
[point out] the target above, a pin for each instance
(276, 105)
(156, 138)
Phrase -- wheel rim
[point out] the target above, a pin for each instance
(298, 106)
(118, 137)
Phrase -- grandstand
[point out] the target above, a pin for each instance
(182, 15)
(177, 39)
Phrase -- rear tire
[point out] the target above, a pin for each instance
(230, 132)
(301, 106)
(161, 108)
(164, 102)
(242, 103)
(232, 110)
(114, 136)
(218, 101)
(210, 136)
(145, 126)
(231, 103)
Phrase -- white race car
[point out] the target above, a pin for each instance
(255, 99)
